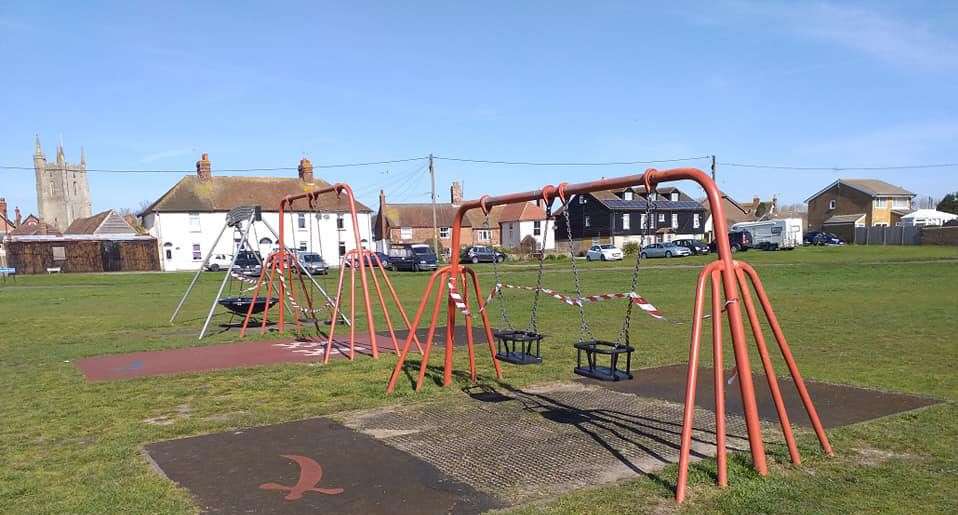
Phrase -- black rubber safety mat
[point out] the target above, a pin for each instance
(478, 335)
(310, 466)
(837, 405)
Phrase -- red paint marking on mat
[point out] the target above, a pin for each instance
(310, 474)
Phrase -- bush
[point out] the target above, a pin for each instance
(630, 248)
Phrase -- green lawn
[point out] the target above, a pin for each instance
(880, 317)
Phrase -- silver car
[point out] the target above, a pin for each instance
(666, 250)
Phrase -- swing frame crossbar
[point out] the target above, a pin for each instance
(283, 263)
(728, 279)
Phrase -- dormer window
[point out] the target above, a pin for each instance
(674, 197)
(627, 195)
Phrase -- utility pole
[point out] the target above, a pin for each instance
(713, 168)
(435, 223)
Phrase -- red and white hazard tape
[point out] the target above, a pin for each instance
(457, 298)
(637, 299)
(246, 280)
(292, 301)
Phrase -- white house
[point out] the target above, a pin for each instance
(187, 219)
(518, 221)
(923, 217)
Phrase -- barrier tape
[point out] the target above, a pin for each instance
(637, 299)
(292, 301)
(457, 298)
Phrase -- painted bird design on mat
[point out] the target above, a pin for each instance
(310, 474)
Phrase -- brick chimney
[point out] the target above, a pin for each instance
(17, 218)
(3, 207)
(383, 233)
(204, 169)
(305, 170)
(455, 193)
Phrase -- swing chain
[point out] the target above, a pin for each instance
(627, 322)
(534, 316)
(498, 290)
(585, 332)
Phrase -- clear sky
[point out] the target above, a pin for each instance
(151, 85)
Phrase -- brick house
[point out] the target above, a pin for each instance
(407, 223)
(849, 203)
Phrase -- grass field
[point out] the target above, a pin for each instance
(877, 317)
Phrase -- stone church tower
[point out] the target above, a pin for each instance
(63, 194)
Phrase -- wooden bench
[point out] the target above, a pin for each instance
(54, 270)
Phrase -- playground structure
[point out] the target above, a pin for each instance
(294, 293)
(728, 277)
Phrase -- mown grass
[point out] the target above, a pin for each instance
(880, 317)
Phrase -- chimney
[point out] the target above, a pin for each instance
(3, 207)
(383, 234)
(756, 201)
(204, 168)
(305, 170)
(17, 219)
(455, 193)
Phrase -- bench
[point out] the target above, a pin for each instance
(53, 270)
(8, 272)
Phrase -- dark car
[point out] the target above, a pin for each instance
(382, 257)
(412, 257)
(822, 238)
(481, 254)
(313, 263)
(738, 240)
(248, 262)
(696, 246)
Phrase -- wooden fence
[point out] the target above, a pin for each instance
(78, 255)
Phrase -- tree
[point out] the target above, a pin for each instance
(949, 204)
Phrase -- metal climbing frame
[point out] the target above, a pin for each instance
(728, 278)
(278, 277)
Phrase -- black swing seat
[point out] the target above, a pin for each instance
(240, 305)
(594, 349)
(518, 347)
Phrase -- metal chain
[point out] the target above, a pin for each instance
(627, 322)
(534, 315)
(500, 297)
(585, 332)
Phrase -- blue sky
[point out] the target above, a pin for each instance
(151, 85)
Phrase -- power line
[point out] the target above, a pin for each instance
(841, 168)
(601, 163)
(231, 170)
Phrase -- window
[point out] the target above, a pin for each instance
(643, 221)
(194, 222)
(405, 233)
(627, 195)
(832, 203)
(626, 222)
(265, 241)
(582, 199)
(342, 248)
(662, 217)
(536, 228)
(483, 235)
(302, 246)
(444, 233)
(59, 254)
(652, 196)
(881, 202)
(674, 197)
(586, 221)
(901, 203)
(696, 223)
(675, 220)
(197, 253)
(169, 254)
(301, 221)
(339, 222)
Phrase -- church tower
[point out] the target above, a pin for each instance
(63, 193)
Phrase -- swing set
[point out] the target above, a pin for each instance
(728, 278)
(283, 277)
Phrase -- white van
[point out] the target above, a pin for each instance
(784, 233)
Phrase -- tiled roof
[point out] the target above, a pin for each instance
(520, 212)
(108, 222)
(35, 228)
(871, 187)
(419, 215)
(222, 193)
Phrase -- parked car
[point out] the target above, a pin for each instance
(607, 252)
(219, 262)
(248, 263)
(481, 254)
(412, 257)
(382, 257)
(666, 250)
(696, 246)
(822, 238)
(313, 263)
(738, 240)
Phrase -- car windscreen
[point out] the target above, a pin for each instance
(608, 247)
(423, 251)
(312, 258)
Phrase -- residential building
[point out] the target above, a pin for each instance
(187, 219)
(63, 193)
(405, 223)
(849, 203)
(517, 222)
(620, 217)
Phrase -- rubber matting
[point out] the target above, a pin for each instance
(310, 466)
(837, 405)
